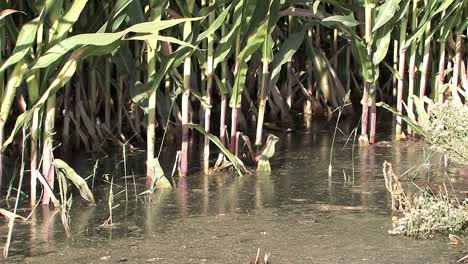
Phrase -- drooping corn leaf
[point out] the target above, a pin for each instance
(9, 215)
(416, 128)
(268, 152)
(76, 179)
(6, 12)
(158, 180)
(222, 148)
(65, 74)
(14, 81)
(392, 70)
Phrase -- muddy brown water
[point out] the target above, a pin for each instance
(298, 213)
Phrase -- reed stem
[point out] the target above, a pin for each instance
(185, 98)
(412, 66)
(151, 128)
(401, 80)
(209, 90)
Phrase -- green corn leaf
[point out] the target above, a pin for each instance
(359, 52)
(382, 43)
(423, 117)
(25, 41)
(53, 12)
(430, 14)
(102, 39)
(222, 148)
(65, 23)
(140, 92)
(200, 98)
(219, 21)
(65, 74)
(287, 50)
(347, 21)
(220, 85)
(340, 6)
(115, 13)
(162, 38)
(76, 179)
(254, 41)
(14, 81)
(386, 13)
(139, 95)
(416, 128)
(238, 86)
(392, 70)
(224, 47)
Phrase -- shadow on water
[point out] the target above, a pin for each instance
(298, 213)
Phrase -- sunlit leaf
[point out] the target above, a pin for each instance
(268, 152)
(222, 148)
(76, 179)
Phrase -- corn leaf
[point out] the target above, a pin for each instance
(102, 39)
(76, 179)
(359, 52)
(222, 148)
(268, 152)
(238, 86)
(25, 40)
(386, 13)
(416, 128)
(158, 180)
(382, 43)
(6, 12)
(431, 13)
(220, 85)
(65, 74)
(65, 23)
(347, 20)
(286, 51)
(219, 21)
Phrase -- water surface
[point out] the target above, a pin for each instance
(299, 213)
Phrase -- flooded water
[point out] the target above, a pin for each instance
(298, 213)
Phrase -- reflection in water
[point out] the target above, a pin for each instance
(182, 197)
(298, 201)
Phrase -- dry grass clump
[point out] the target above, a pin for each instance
(399, 200)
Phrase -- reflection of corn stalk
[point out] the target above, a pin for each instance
(257, 258)
(399, 200)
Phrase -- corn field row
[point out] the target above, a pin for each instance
(91, 75)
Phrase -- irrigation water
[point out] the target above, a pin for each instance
(298, 213)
